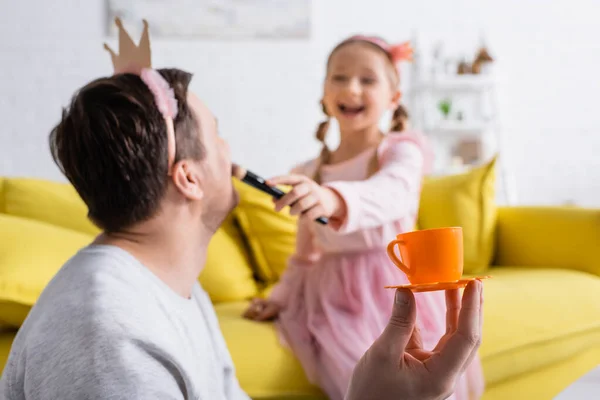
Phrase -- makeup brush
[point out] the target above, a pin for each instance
(259, 183)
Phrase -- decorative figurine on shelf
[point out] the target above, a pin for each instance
(480, 65)
(482, 62)
(463, 67)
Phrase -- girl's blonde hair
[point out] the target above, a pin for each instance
(393, 54)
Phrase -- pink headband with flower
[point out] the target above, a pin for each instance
(396, 52)
(134, 59)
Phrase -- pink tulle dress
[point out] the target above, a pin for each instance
(332, 292)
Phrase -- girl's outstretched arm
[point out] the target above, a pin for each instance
(390, 194)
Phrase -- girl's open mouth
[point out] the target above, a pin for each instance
(351, 111)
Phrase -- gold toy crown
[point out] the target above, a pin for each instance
(131, 58)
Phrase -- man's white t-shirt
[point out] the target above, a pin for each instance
(106, 327)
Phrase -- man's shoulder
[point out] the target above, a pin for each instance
(97, 274)
(98, 289)
(96, 306)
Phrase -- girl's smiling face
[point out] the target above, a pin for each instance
(360, 86)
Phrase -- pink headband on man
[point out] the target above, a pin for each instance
(164, 97)
(396, 52)
(136, 60)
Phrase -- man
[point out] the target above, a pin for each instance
(125, 318)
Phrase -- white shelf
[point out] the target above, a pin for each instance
(468, 83)
(475, 97)
(458, 128)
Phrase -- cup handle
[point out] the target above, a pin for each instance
(394, 258)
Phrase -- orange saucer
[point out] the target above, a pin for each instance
(429, 287)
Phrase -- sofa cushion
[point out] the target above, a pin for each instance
(52, 202)
(550, 236)
(547, 382)
(466, 200)
(264, 368)
(271, 235)
(536, 317)
(31, 253)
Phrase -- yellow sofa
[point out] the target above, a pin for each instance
(542, 307)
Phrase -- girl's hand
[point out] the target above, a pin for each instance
(262, 310)
(308, 199)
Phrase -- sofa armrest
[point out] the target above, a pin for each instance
(550, 237)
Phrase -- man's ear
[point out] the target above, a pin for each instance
(187, 180)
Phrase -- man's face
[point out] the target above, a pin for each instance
(220, 198)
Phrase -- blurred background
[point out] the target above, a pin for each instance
(259, 66)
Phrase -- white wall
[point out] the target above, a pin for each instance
(266, 94)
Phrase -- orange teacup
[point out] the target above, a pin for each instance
(429, 255)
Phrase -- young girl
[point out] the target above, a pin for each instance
(331, 303)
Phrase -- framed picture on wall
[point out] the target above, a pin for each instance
(214, 19)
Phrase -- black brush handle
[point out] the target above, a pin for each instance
(260, 184)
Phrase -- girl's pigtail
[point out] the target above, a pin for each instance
(321, 134)
(399, 119)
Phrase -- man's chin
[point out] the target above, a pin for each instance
(221, 211)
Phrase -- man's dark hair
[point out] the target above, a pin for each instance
(111, 144)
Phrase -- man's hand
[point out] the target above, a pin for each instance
(397, 367)
(308, 199)
(262, 310)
